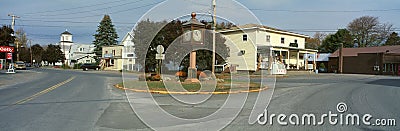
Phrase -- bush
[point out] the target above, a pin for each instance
(65, 66)
(77, 66)
(322, 65)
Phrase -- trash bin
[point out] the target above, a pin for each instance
(316, 71)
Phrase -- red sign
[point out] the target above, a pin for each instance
(9, 56)
(6, 49)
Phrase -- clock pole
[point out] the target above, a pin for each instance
(195, 38)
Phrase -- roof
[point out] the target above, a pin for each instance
(378, 49)
(66, 33)
(127, 40)
(262, 27)
(193, 21)
(320, 57)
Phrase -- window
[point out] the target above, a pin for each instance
(88, 61)
(113, 52)
(244, 37)
(282, 40)
(268, 38)
(129, 55)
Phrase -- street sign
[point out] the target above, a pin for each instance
(160, 49)
(160, 56)
(9, 56)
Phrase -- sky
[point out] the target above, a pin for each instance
(44, 20)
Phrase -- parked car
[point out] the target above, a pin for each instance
(20, 65)
(88, 66)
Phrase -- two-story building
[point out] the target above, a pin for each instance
(75, 53)
(260, 45)
(112, 57)
(128, 53)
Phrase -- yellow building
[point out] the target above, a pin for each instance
(112, 57)
(258, 44)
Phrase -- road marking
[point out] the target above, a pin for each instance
(43, 92)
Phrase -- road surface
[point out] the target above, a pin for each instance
(48, 99)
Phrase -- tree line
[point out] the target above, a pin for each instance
(50, 53)
(365, 31)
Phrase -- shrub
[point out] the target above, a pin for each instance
(322, 65)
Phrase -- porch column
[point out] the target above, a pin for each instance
(297, 60)
(315, 61)
(280, 54)
(305, 60)
(270, 59)
(288, 59)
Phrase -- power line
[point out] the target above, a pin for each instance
(327, 11)
(66, 9)
(96, 15)
(303, 11)
(79, 12)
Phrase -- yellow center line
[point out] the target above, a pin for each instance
(43, 91)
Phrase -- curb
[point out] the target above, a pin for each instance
(188, 93)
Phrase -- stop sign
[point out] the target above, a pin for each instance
(9, 56)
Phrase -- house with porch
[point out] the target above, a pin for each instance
(112, 57)
(261, 45)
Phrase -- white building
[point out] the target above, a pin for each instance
(257, 44)
(76, 53)
(128, 53)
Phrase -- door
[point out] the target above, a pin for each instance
(398, 69)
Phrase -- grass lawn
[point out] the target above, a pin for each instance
(208, 86)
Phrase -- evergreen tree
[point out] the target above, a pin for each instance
(5, 35)
(53, 54)
(332, 42)
(394, 39)
(106, 35)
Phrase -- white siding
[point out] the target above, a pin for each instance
(235, 43)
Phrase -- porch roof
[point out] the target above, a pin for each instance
(288, 48)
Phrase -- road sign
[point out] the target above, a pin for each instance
(160, 49)
(160, 56)
(9, 56)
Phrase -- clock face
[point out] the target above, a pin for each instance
(187, 36)
(197, 35)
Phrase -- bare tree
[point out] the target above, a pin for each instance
(368, 31)
(315, 41)
(21, 37)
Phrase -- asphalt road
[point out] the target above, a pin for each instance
(47, 99)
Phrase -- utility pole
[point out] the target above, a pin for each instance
(341, 58)
(13, 20)
(12, 27)
(214, 4)
(30, 51)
